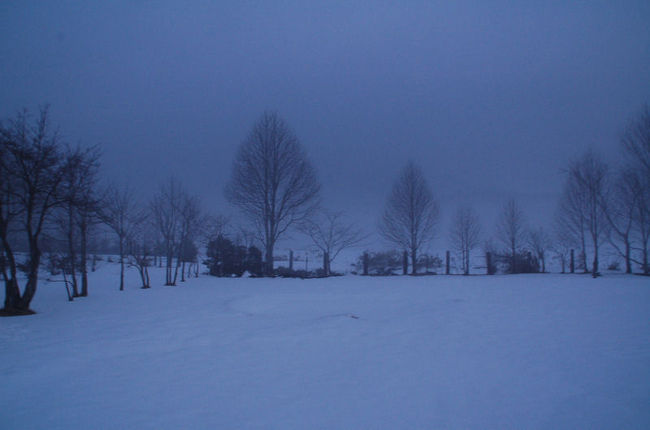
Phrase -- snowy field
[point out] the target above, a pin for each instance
(530, 351)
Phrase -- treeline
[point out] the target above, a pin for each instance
(52, 199)
(600, 205)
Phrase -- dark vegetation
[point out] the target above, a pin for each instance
(56, 210)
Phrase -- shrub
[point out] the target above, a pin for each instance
(227, 259)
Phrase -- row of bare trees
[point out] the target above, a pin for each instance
(601, 205)
(171, 224)
(598, 206)
(47, 187)
(50, 197)
(46, 183)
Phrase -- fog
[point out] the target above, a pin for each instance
(490, 99)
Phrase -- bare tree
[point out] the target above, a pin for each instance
(511, 230)
(331, 234)
(87, 207)
(411, 213)
(120, 212)
(540, 243)
(273, 182)
(465, 235)
(588, 175)
(139, 244)
(561, 245)
(620, 201)
(636, 142)
(165, 208)
(191, 221)
(31, 172)
(78, 210)
(571, 220)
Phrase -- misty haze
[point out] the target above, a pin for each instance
(324, 215)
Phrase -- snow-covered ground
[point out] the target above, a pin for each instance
(529, 351)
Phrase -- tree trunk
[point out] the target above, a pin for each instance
(71, 253)
(12, 294)
(168, 269)
(83, 227)
(32, 279)
(12, 291)
(594, 272)
(488, 262)
(121, 264)
(584, 255)
(628, 257)
(414, 260)
(178, 264)
(365, 263)
(447, 263)
(269, 260)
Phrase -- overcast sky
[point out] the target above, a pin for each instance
(491, 98)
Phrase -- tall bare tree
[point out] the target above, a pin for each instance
(561, 245)
(619, 206)
(31, 171)
(636, 142)
(571, 220)
(121, 213)
(510, 231)
(331, 234)
(78, 210)
(191, 221)
(411, 213)
(139, 244)
(465, 235)
(588, 175)
(165, 208)
(273, 183)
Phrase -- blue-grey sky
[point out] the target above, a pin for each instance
(490, 98)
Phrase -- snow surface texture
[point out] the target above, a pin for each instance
(529, 351)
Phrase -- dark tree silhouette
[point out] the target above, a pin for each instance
(465, 235)
(411, 213)
(571, 220)
(588, 177)
(539, 243)
(273, 182)
(120, 212)
(32, 166)
(510, 231)
(636, 142)
(166, 214)
(619, 206)
(331, 234)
